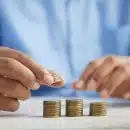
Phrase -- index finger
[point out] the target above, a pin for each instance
(42, 75)
(88, 72)
(91, 69)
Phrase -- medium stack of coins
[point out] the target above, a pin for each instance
(74, 108)
(52, 109)
(98, 109)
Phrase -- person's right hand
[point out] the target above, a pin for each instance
(19, 74)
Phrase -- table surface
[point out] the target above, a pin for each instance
(29, 117)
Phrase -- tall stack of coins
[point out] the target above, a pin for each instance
(52, 109)
(74, 108)
(98, 109)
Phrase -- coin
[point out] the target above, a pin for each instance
(74, 107)
(52, 109)
(98, 109)
(58, 80)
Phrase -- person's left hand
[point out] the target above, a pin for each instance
(109, 75)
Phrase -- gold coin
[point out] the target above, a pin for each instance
(51, 113)
(52, 102)
(74, 107)
(51, 116)
(74, 111)
(98, 109)
(98, 103)
(52, 108)
(98, 114)
(58, 80)
(74, 114)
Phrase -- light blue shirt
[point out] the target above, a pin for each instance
(65, 35)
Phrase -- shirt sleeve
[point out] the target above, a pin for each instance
(128, 43)
(0, 30)
(128, 47)
(0, 27)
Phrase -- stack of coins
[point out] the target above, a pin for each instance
(52, 109)
(98, 109)
(74, 108)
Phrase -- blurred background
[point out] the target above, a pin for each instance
(65, 35)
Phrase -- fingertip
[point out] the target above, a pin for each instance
(48, 79)
(35, 86)
(73, 85)
(126, 96)
(78, 84)
(104, 94)
(91, 85)
(15, 106)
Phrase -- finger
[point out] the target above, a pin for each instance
(13, 89)
(78, 85)
(8, 104)
(90, 85)
(127, 95)
(87, 74)
(106, 68)
(13, 69)
(91, 69)
(103, 83)
(117, 77)
(42, 75)
(102, 71)
(123, 90)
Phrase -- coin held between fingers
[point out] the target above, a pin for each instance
(57, 80)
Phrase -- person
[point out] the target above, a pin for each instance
(85, 41)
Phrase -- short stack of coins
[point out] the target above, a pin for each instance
(74, 108)
(98, 109)
(52, 109)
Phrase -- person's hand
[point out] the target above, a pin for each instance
(18, 75)
(109, 75)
